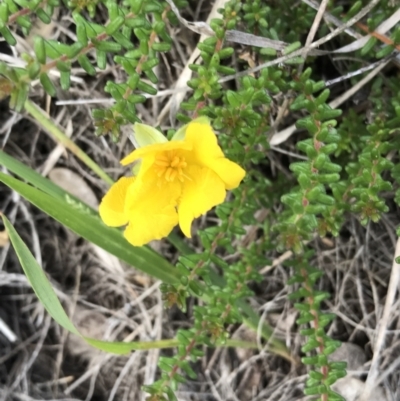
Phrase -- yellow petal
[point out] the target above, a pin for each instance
(229, 172)
(145, 227)
(151, 209)
(207, 152)
(112, 206)
(203, 141)
(203, 191)
(151, 150)
(181, 133)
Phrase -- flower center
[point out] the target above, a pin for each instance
(170, 165)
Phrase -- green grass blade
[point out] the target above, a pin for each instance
(31, 176)
(89, 226)
(44, 291)
(38, 279)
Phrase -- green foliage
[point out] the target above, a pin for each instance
(318, 345)
(348, 162)
(135, 34)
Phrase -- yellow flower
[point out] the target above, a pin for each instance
(176, 182)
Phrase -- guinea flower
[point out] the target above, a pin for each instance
(174, 182)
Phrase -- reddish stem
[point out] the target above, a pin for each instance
(20, 13)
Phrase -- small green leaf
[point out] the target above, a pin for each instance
(302, 307)
(8, 36)
(268, 51)
(74, 50)
(297, 278)
(323, 97)
(225, 53)
(234, 99)
(113, 10)
(150, 64)
(136, 5)
(137, 22)
(23, 3)
(65, 80)
(101, 59)
(291, 48)
(309, 360)
(295, 60)
(40, 49)
(316, 375)
(145, 87)
(318, 86)
(369, 45)
(106, 46)
(206, 48)
(161, 46)
(307, 332)
(170, 393)
(305, 317)
(34, 69)
(134, 99)
(18, 98)
(326, 113)
(144, 47)
(306, 74)
(47, 84)
(43, 16)
(133, 81)
(63, 66)
(4, 13)
(196, 287)
(85, 63)
(225, 70)
(385, 51)
(338, 365)
(311, 345)
(123, 40)
(152, 77)
(114, 25)
(330, 350)
(355, 8)
(312, 382)
(81, 34)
